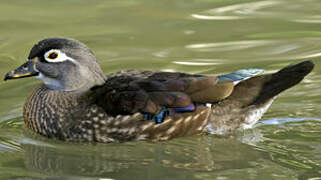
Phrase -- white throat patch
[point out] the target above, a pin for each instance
(50, 82)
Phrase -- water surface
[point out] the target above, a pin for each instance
(200, 36)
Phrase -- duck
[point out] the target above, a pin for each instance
(78, 102)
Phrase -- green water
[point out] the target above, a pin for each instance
(198, 36)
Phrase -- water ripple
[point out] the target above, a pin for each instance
(295, 48)
(309, 19)
(235, 11)
(228, 46)
(194, 63)
(280, 121)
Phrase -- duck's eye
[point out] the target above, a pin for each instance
(55, 56)
(52, 55)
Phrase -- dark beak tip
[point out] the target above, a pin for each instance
(8, 76)
(25, 70)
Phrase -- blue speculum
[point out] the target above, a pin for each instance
(165, 112)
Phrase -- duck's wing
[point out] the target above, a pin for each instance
(262, 88)
(129, 92)
(252, 97)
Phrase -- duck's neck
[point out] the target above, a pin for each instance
(46, 111)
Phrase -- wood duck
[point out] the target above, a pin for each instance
(78, 102)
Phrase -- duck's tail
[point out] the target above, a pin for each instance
(252, 97)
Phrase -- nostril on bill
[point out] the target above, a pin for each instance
(25, 67)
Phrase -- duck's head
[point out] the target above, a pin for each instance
(63, 64)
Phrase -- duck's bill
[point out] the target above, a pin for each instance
(25, 70)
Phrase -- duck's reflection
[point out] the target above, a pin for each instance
(140, 159)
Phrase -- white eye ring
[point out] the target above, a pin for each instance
(55, 55)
